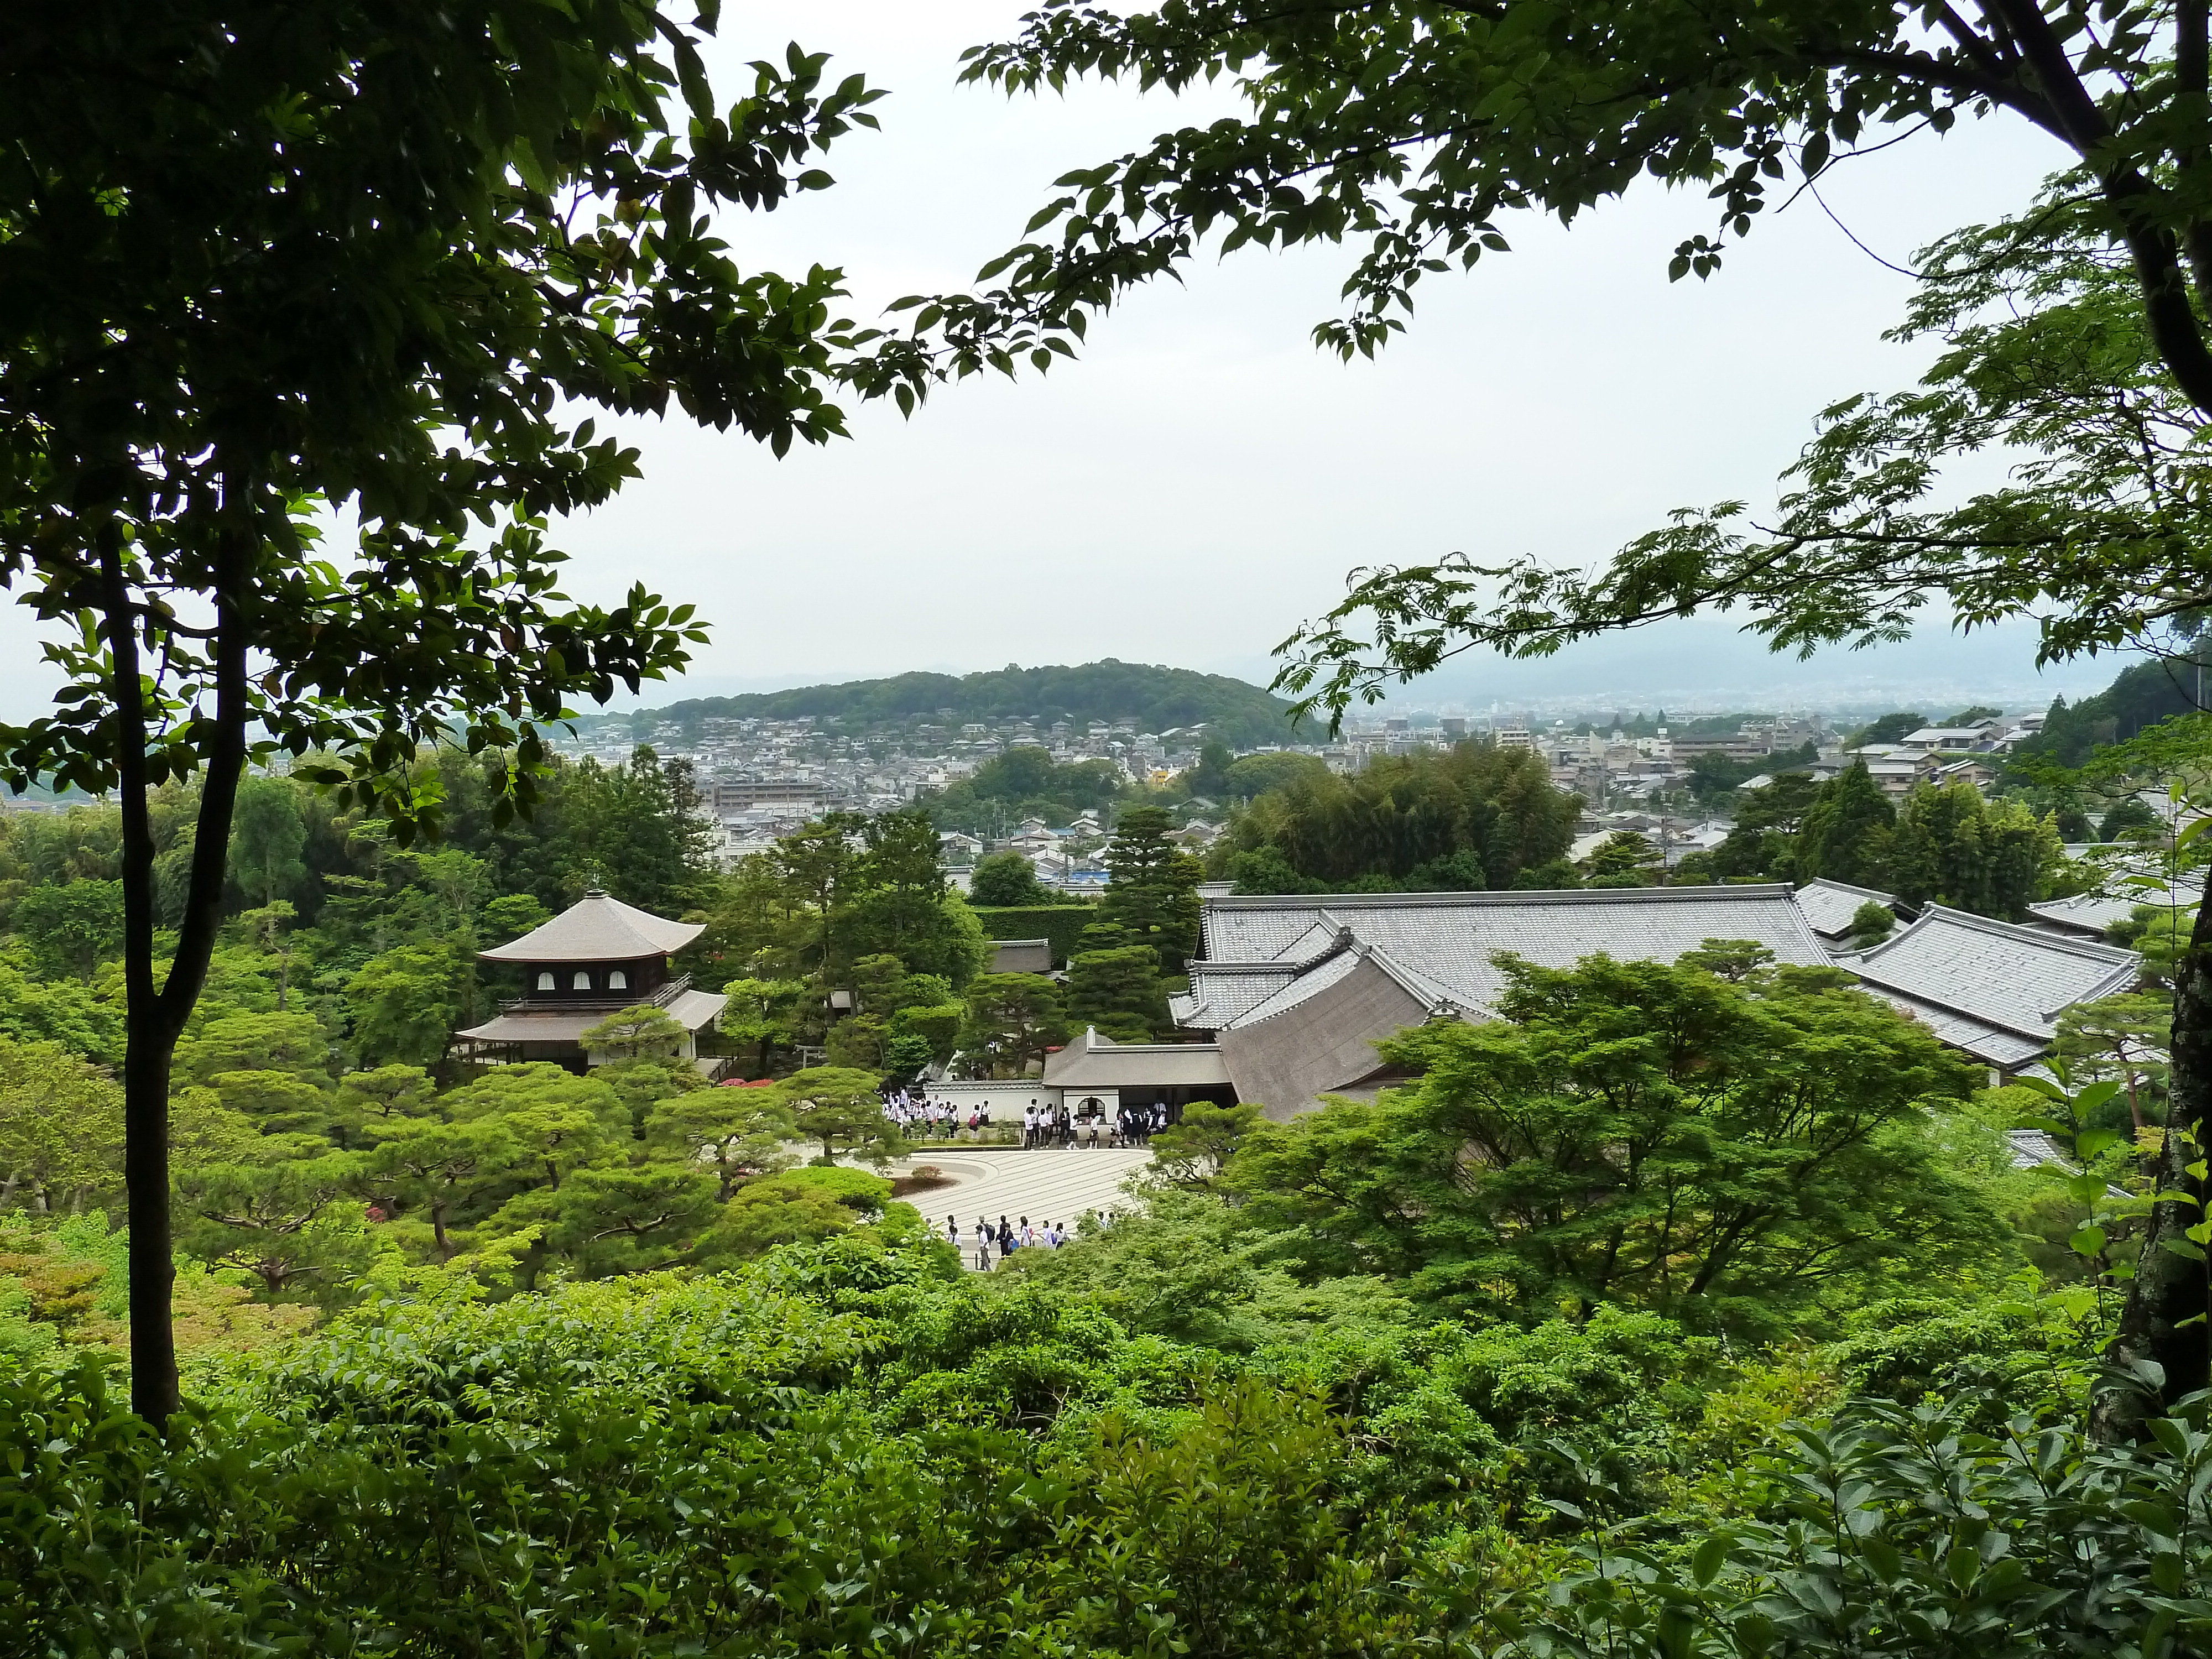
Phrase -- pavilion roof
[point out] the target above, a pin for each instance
(599, 928)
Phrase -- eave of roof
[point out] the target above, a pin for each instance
(692, 1010)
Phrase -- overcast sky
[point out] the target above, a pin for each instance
(1202, 479)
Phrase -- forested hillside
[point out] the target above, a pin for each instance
(2139, 696)
(1153, 699)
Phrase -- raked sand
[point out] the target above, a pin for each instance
(1054, 1184)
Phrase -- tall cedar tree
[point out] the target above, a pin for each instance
(1844, 835)
(261, 258)
(1153, 889)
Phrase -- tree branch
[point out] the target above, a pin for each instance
(225, 758)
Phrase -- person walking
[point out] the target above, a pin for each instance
(1005, 1240)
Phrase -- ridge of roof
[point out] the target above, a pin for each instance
(1344, 939)
(1560, 896)
(1848, 887)
(1298, 990)
(1957, 1010)
(2115, 955)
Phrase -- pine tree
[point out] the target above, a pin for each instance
(1847, 831)
(1119, 992)
(1154, 891)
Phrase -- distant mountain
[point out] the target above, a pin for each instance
(1154, 699)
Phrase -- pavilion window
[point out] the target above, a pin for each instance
(618, 980)
(546, 980)
(583, 980)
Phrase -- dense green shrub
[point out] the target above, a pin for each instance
(851, 1447)
(1063, 924)
(1904, 1531)
(629, 1468)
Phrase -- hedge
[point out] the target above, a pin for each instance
(1063, 924)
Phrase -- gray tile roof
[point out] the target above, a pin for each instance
(598, 929)
(1021, 955)
(1444, 941)
(2032, 1147)
(2086, 913)
(2005, 1050)
(2009, 981)
(1828, 906)
(1221, 990)
(1292, 991)
(1257, 929)
(1092, 1062)
(692, 1009)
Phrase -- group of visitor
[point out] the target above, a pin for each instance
(1006, 1237)
(920, 1118)
(1093, 1124)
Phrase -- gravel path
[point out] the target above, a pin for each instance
(1056, 1184)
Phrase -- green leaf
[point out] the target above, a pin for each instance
(2094, 1143)
(1711, 1556)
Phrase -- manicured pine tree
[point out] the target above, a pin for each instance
(1119, 992)
(1154, 890)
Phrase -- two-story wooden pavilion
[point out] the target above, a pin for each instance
(596, 957)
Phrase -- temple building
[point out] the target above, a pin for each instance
(597, 957)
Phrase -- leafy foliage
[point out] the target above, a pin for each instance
(1476, 817)
(1717, 1149)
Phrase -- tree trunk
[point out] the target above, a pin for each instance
(147, 1051)
(154, 1016)
(2171, 1290)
